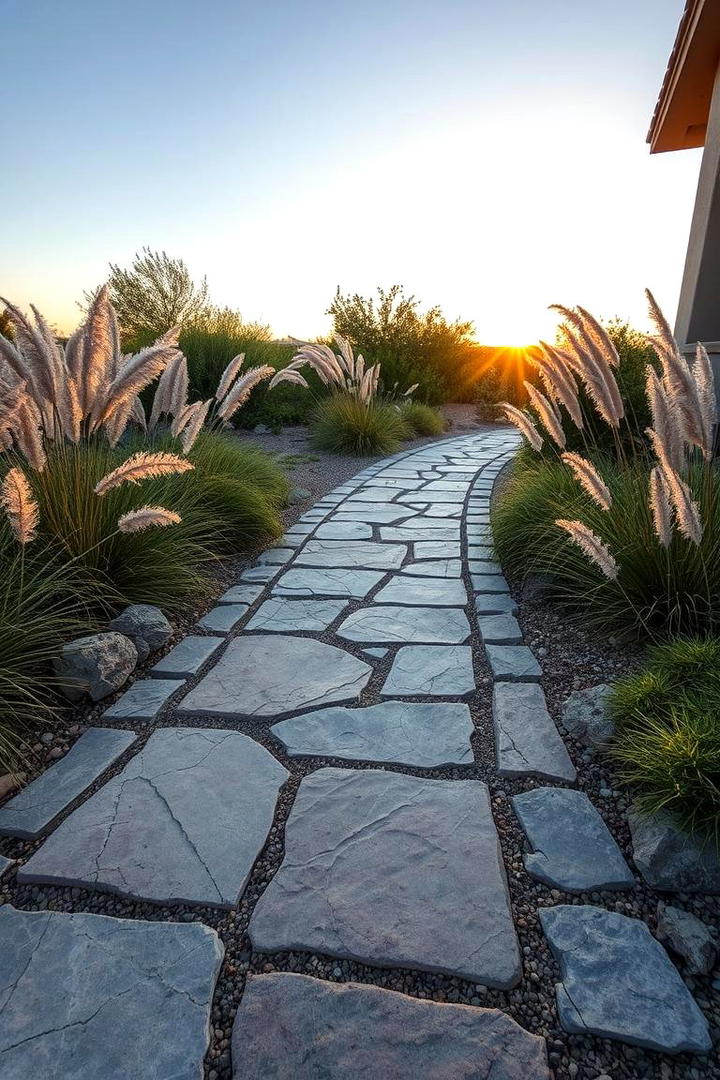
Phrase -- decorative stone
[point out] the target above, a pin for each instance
(409, 531)
(279, 614)
(270, 675)
(186, 658)
(688, 937)
(30, 813)
(375, 515)
(145, 625)
(352, 553)
(275, 556)
(499, 630)
(489, 583)
(495, 604)
(439, 592)
(373, 495)
(296, 1026)
(223, 618)
(514, 663)
(441, 568)
(344, 530)
(484, 568)
(241, 594)
(436, 549)
(97, 665)
(422, 735)
(572, 847)
(90, 997)
(669, 859)
(144, 700)
(527, 743)
(182, 823)
(350, 584)
(375, 861)
(584, 715)
(431, 671)
(261, 574)
(618, 982)
(405, 624)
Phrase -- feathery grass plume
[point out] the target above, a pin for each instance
(592, 545)
(10, 398)
(141, 467)
(229, 375)
(99, 351)
(704, 379)
(547, 414)
(687, 513)
(660, 506)
(679, 380)
(192, 422)
(664, 333)
(75, 354)
(67, 406)
(411, 389)
(596, 382)
(346, 357)
(242, 389)
(603, 338)
(140, 370)
(171, 337)
(596, 361)
(288, 376)
(667, 431)
(20, 506)
(147, 517)
(30, 357)
(560, 382)
(588, 476)
(137, 414)
(523, 423)
(171, 393)
(27, 433)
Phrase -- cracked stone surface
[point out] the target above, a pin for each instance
(184, 821)
(424, 735)
(440, 568)
(438, 592)
(401, 624)
(306, 581)
(375, 860)
(30, 812)
(527, 743)
(294, 1026)
(273, 674)
(365, 554)
(344, 530)
(98, 998)
(280, 614)
(436, 549)
(617, 981)
(144, 700)
(441, 532)
(572, 847)
(431, 670)
(186, 658)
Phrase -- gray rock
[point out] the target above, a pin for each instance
(669, 859)
(186, 658)
(513, 663)
(271, 674)
(484, 568)
(436, 549)
(241, 594)
(495, 604)
(422, 735)
(489, 583)
(375, 861)
(145, 625)
(527, 743)
(281, 614)
(480, 551)
(261, 574)
(91, 997)
(499, 630)
(583, 715)
(144, 699)
(275, 556)
(366, 554)
(182, 823)
(344, 530)
(618, 982)
(688, 937)
(294, 1026)
(306, 581)
(405, 624)
(261, 429)
(429, 592)
(439, 568)
(97, 665)
(431, 671)
(5, 865)
(572, 847)
(409, 531)
(223, 618)
(29, 813)
(298, 495)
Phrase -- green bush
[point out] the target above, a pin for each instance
(344, 425)
(500, 377)
(667, 742)
(422, 419)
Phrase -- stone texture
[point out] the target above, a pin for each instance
(438, 592)
(373, 515)
(527, 743)
(441, 532)
(261, 574)
(374, 863)
(377, 654)
(618, 982)
(30, 812)
(405, 624)
(441, 568)
(436, 549)
(571, 846)
(144, 699)
(223, 618)
(5, 865)
(688, 937)
(669, 859)
(495, 604)
(275, 556)
(269, 675)
(280, 614)
(344, 530)
(183, 822)
(488, 583)
(186, 658)
(241, 594)
(350, 584)
(145, 625)
(423, 735)
(97, 665)
(293, 1027)
(484, 568)
(431, 671)
(499, 630)
(513, 663)
(89, 997)
(584, 715)
(365, 554)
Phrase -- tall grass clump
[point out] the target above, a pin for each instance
(422, 419)
(344, 425)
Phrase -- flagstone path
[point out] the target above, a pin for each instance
(353, 644)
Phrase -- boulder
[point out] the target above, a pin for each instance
(145, 625)
(298, 495)
(584, 715)
(97, 665)
(688, 937)
(669, 859)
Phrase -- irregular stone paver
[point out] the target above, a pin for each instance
(572, 847)
(424, 735)
(495, 604)
(441, 592)
(401, 532)
(183, 822)
(97, 998)
(268, 675)
(499, 630)
(260, 574)
(443, 568)
(30, 812)
(353, 553)
(144, 700)
(431, 670)
(275, 556)
(281, 614)
(374, 863)
(489, 583)
(618, 981)
(527, 743)
(584, 715)
(376, 653)
(515, 663)
(374, 515)
(241, 594)
(223, 618)
(351, 584)
(433, 549)
(295, 1026)
(402, 624)
(186, 658)
(344, 530)
(484, 567)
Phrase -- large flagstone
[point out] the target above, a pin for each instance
(431, 671)
(309, 581)
(403, 624)
(439, 592)
(353, 553)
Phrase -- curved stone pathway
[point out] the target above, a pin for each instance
(353, 643)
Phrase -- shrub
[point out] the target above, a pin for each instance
(344, 425)
(667, 742)
(422, 419)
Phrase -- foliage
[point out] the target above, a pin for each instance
(667, 743)
(422, 419)
(344, 425)
(500, 377)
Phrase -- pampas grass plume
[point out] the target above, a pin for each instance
(147, 517)
(141, 467)
(20, 506)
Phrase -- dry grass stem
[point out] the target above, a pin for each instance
(660, 506)
(147, 517)
(588, 476)
(20, 506)
(142, 466)
(523, 423)
(549, 417)
(592, 545)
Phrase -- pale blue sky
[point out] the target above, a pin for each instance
(488, 154)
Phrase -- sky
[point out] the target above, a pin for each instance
(488, 155)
